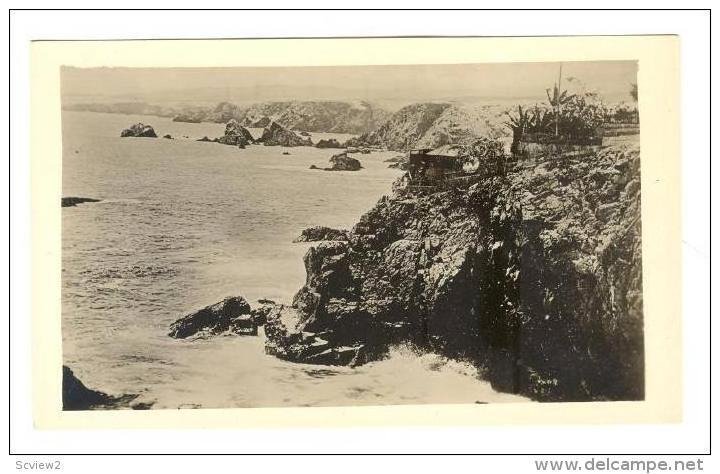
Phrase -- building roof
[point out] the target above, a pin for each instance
(446, 151)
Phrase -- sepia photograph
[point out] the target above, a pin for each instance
(422, 240)
(325, 236)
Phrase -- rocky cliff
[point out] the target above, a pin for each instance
(430, 125)
(404, 128)
(317, 116)
(534, 276)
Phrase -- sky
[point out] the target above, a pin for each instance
(413, 83)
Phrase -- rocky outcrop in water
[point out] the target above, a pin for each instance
(235, 135)
(535, 276)
(74, 201)
(318, 233)
(233, 314)
(76, 396)
(277, 135)
(139, 130)
(343, 162)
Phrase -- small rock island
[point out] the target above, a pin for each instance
(74, 201)
(139, 130)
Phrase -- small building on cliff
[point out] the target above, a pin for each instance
(430, 167)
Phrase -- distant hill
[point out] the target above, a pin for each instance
(317, 116)
(309, 116)
(126, 108)
(429, 125)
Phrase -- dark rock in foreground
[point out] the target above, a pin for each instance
(277, 135)
(76, 396)
(232, 314)
(318, 233)
(139, 130)
(342, 162)
(535, 276)
(74, 201)
(287, 342)
(168, 136)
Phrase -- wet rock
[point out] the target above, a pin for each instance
(317, 233)
(243, 325)
(139, 130)
(227, 315)
(74, 201)
(277, 135)
(286, 341)
(259, 314)
(168, 136)
(76, 396)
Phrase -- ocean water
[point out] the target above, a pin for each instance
(183, 224)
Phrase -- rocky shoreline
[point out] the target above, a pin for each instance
(534, 277)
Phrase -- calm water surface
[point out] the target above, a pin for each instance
(183, 224)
